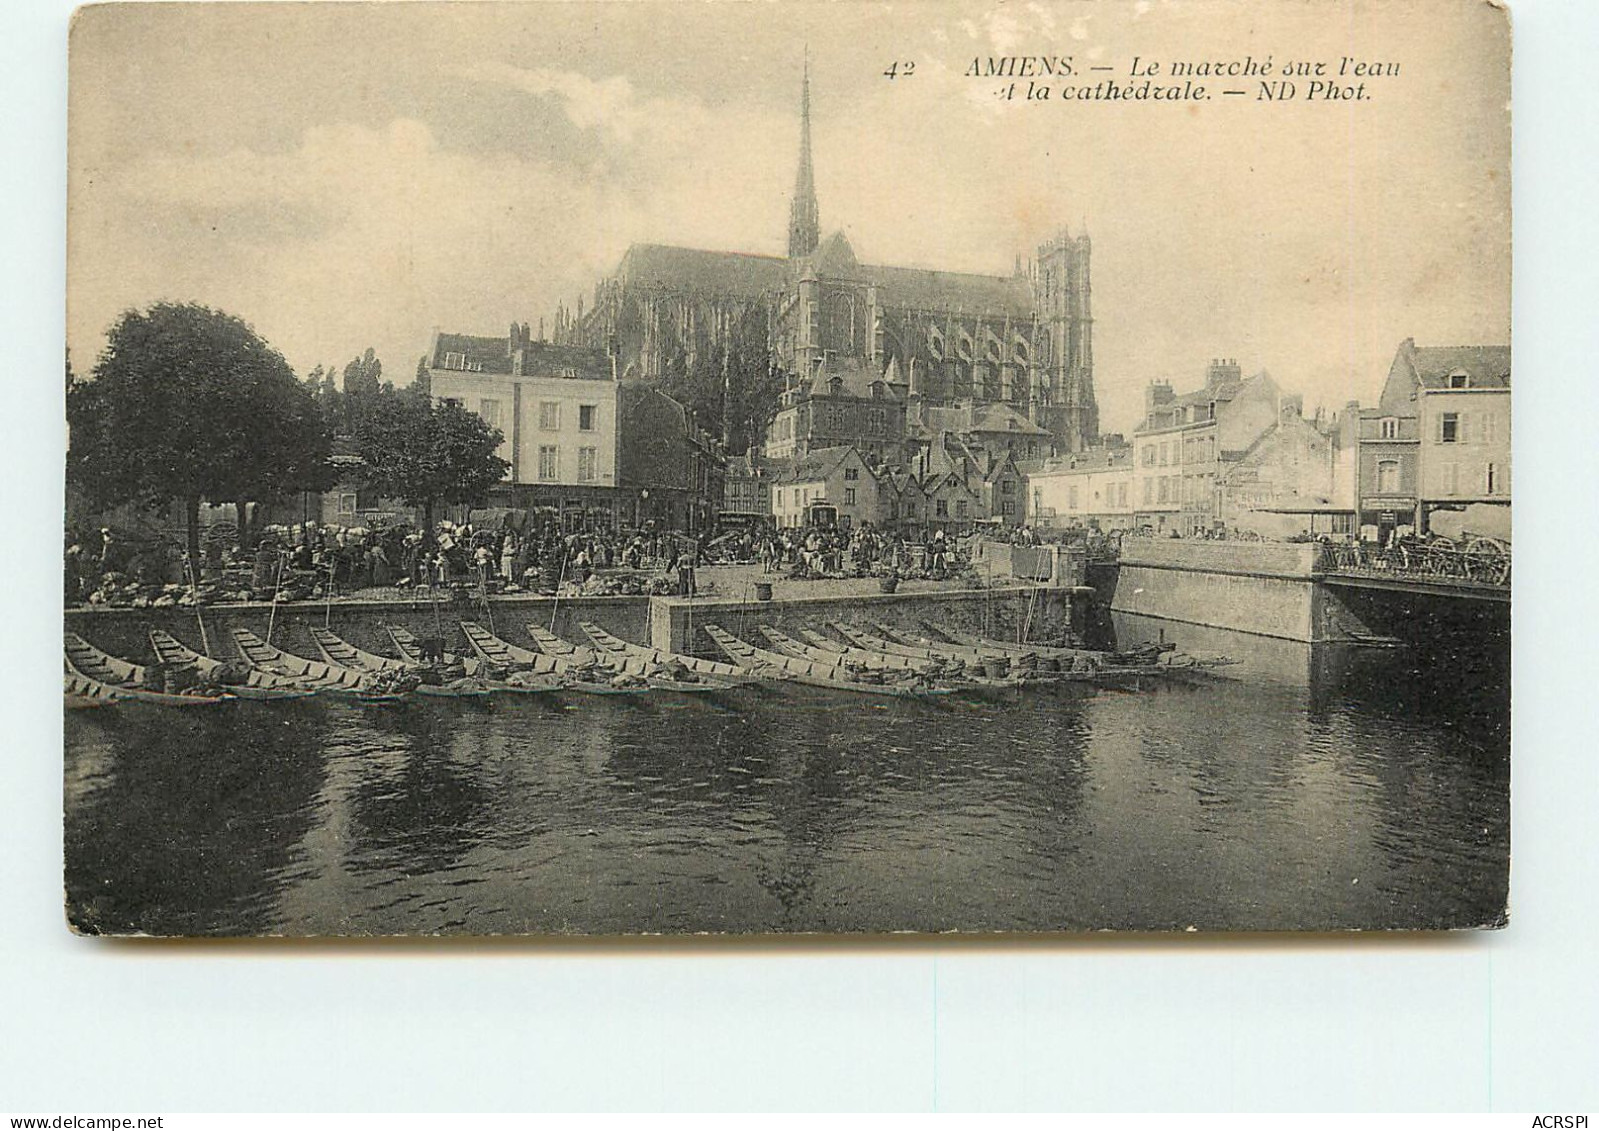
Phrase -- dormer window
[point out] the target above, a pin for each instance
(455, 361)
(1460, 379)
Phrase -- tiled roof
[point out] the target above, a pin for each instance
(747, 276)
(818, 463)
(483, 355)
(494, 355)
(1488, 367)
(858, 376)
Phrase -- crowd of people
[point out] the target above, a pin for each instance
(814, 552)
(315, 560)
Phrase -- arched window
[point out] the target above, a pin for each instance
(1388, 477)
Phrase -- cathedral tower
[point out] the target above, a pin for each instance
(1063, 295)
(803, 220)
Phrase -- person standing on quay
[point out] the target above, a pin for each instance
(685, 572)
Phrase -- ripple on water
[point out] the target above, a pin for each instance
(1221, 805)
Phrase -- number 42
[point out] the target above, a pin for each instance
(900, 70)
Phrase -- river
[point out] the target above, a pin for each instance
(1372, 793)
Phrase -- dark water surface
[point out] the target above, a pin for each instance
(1378, 796)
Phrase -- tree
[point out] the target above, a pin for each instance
(426, 454)
(363, 375)
(189, 404)
(424, 377)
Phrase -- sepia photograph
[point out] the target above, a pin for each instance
(577, 469)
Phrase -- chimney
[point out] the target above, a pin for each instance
(1222, 370)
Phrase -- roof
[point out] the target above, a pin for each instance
(718, 272)
(484, 355)
(835, 258)
(1092, 459)
(747, 276)
(998, 417)
(997, 469)
(495, 355)
(818, 463)
(1488, 367)
(858, 377)
(919, 289)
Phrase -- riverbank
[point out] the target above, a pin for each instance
(671, 623)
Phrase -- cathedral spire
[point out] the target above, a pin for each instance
(803, 221)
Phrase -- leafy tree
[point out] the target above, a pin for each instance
(189, 404)
(425, 453)
(363, 375)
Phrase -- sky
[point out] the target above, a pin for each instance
(346, 176)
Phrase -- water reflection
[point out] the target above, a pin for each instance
(178, 820)
(1358, 797)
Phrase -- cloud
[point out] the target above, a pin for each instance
(608, 104)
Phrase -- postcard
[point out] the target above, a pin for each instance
(655, 469)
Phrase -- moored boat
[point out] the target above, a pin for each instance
(80, 694)
(526, 683)
(501, 655)
(245, 682)
(553, 645)
(815, 674)
(920, 649)
(342, 653)
(1012, 648)
(82, 689)
(325, 677)
(860, 656)
(727, 673)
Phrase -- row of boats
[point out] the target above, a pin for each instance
(871, 660)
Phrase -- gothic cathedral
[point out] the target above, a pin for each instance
(923, 337)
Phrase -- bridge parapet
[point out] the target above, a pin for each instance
(1484, 562)
(1297, 560)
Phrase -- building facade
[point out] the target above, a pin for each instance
(849, 403)
(1094, 488)
(1185, 442)
(1287, 482)
(1024, 339)
(597, 452)
(1435, 453)
(829, 486)
(747, 490)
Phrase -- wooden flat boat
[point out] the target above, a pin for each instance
(342, 653)
(727, 673)
(618, 680)
(815, 674)
(325, 677)
(81, 689)
(524, 683)
(256, 684)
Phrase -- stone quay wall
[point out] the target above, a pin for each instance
(125, 632)
(1266, 588)
(677, 624)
